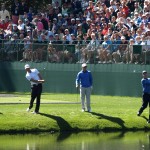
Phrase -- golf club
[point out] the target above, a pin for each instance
(77, 89)
(149, 113)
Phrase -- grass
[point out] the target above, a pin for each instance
(62, 112)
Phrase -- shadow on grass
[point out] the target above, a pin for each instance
(110, 118)
(63, 125)
(1, 113)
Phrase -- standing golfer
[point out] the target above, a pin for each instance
(84, 80)
(146, 92)
(36, 81)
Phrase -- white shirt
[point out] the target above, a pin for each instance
(3, 14)
(33, 75)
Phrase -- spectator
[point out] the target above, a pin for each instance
(53, 56)
(27, 50)
(44, 21)
(122, 54)
(23, 8)
(68, 36)
(3, 24)
(21, 25)
(105, 52)
(91, 49)
(130, 4)
(15, 11)
(4, 13)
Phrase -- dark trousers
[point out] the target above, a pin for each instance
(145, 101)
(36, 91)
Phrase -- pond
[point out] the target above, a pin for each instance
(77, 141)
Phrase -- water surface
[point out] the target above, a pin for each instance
(77, 141)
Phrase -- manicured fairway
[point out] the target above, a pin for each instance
(62, 112)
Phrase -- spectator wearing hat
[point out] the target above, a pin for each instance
(53, 27)
(15, 29)
(60, 20)
(22, 31)
(68, 35)
(73, 26)
(80, 31)
(122, 54)
(66, 20)
(137, 18)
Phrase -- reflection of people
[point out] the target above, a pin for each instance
(85, 80)
(146, 92)
(35, 78)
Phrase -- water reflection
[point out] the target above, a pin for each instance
(77, 141)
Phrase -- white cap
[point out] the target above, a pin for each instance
(84, 65)
(144, 71)
(88, 19)
(122, 37)
(27, 66)
(59, 14)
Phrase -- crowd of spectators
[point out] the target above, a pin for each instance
(102, 30)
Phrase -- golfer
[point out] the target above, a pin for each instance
(84, 80)
(146, 92)
(36, 81)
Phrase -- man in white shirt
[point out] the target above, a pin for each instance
(35, 78)
(4, 13)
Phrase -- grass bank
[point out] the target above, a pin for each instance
(62, 112)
